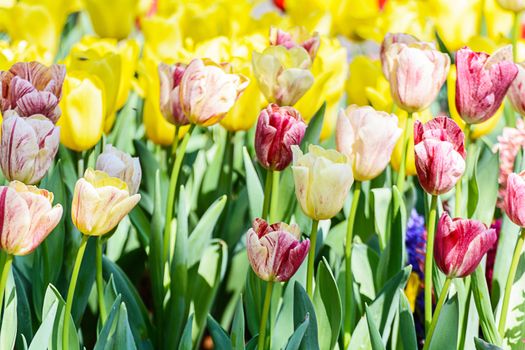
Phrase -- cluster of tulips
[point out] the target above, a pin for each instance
(164, 187)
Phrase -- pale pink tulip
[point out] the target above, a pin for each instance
(121, 165)
(516, 91)
(515, 198)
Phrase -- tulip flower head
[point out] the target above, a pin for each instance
(278, 128)
(392, 38)
(298, 37)
(170, 107)
(322, 181)
(516, 91)
(275, 251)
(28, 217)
(28, 147)
(416, 73)
(440, 154)
(32, 88)
(120, 165)
(482, 82)
(100, 202)
(514, 201)
(207, 92)
(283, 74)
(460, 244)
(512, 5)
(367, 137)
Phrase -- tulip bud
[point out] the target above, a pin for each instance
(278, 128)
(122, 166)
(460, 245)
(512, 5)
(100, 202)
(275, 251)
(392, 38)
(299, 37)
(28, 217)
(482, 82)
(322, 181)
(28, 147)
(416, 73)
(440, 154)
(170, 107)
(514, 199)
(283, 74)
(32, 88)
(207, 92)
(367, 138)
(516, 91)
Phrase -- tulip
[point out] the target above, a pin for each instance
(83, 104)
(100, 202)
(207, 92)
(32, 88)
(170, 78)
(516, 91)
(322, 181)
(278, 128)
(121, 165)
(275, 251)
(102, 14)
(460, 245)
(512, 5)
(28, 217)
(416, 73)
(392, 38)
(367, 138)
(299, 37)
(440, 154)
(482, 82)
(283, 74)
(28, 147)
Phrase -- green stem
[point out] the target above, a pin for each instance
(311, 259)
(100, 282)
(275, 196)
(3, 280)
(429, 258)
(439, 305)
(348, 265)
(515, 35)
(71, 291)
(402, 166)
(264, 317)
(172, 191)
(510, 282)
(464, 325)
(175, 143)
(267, 194)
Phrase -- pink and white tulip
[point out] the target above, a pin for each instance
(460, 244)
(439, 153)
(298, 37)
(170, 78)
(121, 165)
(27, 217)
(516, 91)
(28, 147)
(278, 128)
(482, 82)
(514, 202)
(275, 251)
(389, 40)
(367, 137)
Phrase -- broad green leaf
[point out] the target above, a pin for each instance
(297, 337)
(407, 329)
(8, 331)
(446, 332)
(487, 176)
(219, 336)
(185, 340)
(313, 131)
(45, 330)
(483, 345)
(116, 333)
(237, 332)
(255, 191)
(381, 198)
(103, 336)
(156, 250)
(375, 337)
(23, 307)
(473, 187)
(364, 267)
(303, 308)
(481, 295)
(142, 224)
(254, 301)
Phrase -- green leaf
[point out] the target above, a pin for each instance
(219, 336)
(486, 174)
(116, 333)
(303, 308)
(103, 336)
(8, 331)
(44, 332)
(473, 187)
(255, 191)
(254, 301)
(375, 337)
(297, 337)
(381, 199)
(407, 329)
(23, 308)
(156, 250)
(200, 236)
(481, 295)
(446, 332)
(313, 131)
(237, 332)
(328, 309)
(483, 345)
(141, 223)
(185, 341)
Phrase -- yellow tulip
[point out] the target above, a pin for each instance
(412, 290)
(103, 17)
(330, 71)
(83, 111)
(499, 21)
(22, 51)
(364, 72)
